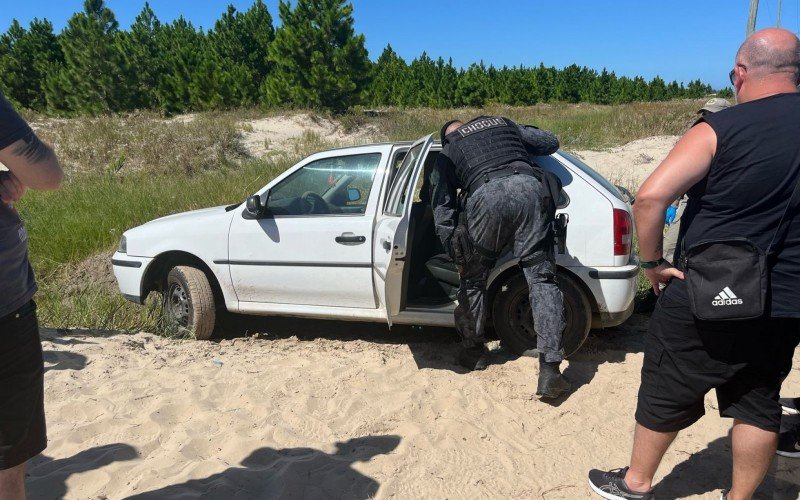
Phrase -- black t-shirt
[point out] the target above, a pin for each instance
(752, 176)
(16, 276)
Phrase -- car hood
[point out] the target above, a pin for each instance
(192, 232)
(190, 217)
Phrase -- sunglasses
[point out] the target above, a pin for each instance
(732, 74)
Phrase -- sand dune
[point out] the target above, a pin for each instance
(314, 409)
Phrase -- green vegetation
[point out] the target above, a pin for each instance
(313, 60)
(583, 126)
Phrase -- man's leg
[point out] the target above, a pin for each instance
(753, 449)
(547, 307)
(470, 314)
(649, 448)
(12, 483)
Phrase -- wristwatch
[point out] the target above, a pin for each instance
(650, 264)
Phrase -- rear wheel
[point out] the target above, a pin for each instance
(189, 302)
(513, 320)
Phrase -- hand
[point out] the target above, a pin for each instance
(11, 189)
(662, 275)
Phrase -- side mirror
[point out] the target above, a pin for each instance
(353, 194)
(254, 206)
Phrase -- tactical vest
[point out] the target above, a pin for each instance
(484, 144)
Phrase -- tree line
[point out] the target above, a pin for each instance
(314, 59)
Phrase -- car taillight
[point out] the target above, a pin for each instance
(623, 232)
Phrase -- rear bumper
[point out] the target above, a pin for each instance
(613, 290)
(129, 271)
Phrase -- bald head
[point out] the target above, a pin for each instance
(771, 52)
(452, 127)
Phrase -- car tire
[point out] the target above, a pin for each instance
(189, 302)
(513, 321)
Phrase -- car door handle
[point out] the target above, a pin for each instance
(350, 238)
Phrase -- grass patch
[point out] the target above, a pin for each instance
(131, 143)
(578, 126)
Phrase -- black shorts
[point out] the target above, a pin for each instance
(22, 424)
(684, 358)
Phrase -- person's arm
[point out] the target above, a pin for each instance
(32, 163)
(444, 199)
(538, 142)
(687, 163)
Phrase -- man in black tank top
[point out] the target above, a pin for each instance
(739, 167)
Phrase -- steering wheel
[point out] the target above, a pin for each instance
(317, 205)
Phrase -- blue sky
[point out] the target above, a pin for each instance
(677, 39)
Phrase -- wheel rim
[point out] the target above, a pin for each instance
(522, 316)
(178, 304)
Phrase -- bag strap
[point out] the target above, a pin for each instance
(794, 201)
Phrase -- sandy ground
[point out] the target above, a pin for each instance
(314, 409)
(283, 133)
(630, 164)
(284, 408)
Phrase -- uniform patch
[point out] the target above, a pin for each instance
(23, 234)
(479, 125)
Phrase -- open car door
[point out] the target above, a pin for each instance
(391, 230)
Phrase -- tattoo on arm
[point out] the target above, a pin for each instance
(33, 150)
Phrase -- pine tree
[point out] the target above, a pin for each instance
(90, 80)
(26, 56)
(390, 83)
(472, 87)
(448, 84)
(319, 60)
(179, 45)
(141, 60)
(241, 42)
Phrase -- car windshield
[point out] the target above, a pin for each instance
(593, 174)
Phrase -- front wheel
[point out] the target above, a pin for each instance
(513, 320)
(189, 302)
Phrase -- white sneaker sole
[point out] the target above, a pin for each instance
(789, 454)
(789, 411)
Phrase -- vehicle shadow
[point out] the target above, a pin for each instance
(710, 471)
(611, 345)
(435, 347)
(47, 477)
(431, 347)
(290, 473)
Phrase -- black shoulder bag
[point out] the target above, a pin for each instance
(728, 279)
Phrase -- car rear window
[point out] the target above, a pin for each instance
(593, 174)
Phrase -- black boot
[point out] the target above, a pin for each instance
(473, 356)
(551, 383)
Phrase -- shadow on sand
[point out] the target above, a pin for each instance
(709, 471)
(290, 473)
(47, 477)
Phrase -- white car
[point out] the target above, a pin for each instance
(344, 234)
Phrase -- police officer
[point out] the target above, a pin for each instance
(505, 202)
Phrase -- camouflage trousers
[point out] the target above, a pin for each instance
(509, 213)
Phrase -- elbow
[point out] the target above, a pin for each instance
(52, 178)
(55, 181)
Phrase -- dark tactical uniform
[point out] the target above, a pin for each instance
(510, 203)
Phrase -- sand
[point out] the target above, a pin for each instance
(284, 133)
(286, 408)
(315, 409)
(630, 164)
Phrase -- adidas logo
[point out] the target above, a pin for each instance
(726, 298)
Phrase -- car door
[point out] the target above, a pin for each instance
(314, 245)
(391, 230)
